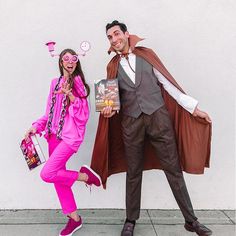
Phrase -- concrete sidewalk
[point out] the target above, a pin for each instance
(109, 222)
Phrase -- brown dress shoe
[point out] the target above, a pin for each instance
(198, 228)
(128, 229)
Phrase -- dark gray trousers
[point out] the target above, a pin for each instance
(158, 129)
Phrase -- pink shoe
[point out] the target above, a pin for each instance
(71, 227)
(93, 177)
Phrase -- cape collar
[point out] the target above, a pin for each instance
(133, 40)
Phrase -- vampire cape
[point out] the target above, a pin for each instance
(193, 134)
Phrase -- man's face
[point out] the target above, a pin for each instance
(118, 39)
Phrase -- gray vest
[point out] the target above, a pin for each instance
(142, 97)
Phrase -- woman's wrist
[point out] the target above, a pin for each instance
(69, 93)
(71, 96)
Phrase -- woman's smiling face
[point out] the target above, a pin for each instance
(69, 62)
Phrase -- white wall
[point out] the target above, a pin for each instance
(194, 38)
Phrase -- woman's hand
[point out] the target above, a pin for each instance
(31, 131)
(65, 89)
(107, 112)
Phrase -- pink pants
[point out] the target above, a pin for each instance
(54, 171)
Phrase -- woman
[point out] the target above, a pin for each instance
(64, 124)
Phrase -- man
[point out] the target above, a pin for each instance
(152, 103)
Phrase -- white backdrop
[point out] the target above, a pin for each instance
(194, 38)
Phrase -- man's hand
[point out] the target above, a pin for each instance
(201, 114)
(107, 112)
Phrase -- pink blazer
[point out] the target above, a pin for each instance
(75, 119)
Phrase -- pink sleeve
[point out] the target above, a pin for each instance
(79, 109)
(40, 124)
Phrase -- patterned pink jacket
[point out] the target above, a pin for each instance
(75, 119)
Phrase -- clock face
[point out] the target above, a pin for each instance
(85, 46)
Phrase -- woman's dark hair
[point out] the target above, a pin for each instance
(77, 71)
(122, 26)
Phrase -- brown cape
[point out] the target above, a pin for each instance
(193, 134)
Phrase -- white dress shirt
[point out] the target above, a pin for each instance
(187, 102)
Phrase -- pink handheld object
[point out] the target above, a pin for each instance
(84, 46)
(50, 46)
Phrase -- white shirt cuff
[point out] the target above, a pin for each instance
(187, 102)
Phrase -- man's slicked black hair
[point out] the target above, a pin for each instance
(122, 26)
